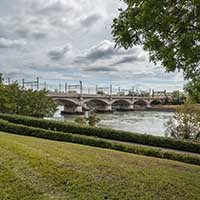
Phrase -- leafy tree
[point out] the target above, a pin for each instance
(168, 29)
(178, 97)
(15, 100)
(101, 92)
(93, 120)
(36, 103)
(193, 89)
(1, 78)
(185, 123)
(7, 103)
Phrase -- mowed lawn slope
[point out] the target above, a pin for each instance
(32, 168)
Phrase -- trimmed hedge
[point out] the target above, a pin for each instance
(91, 141)
(104, 133)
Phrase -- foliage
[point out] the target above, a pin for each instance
(193, 89)
(104, 133)
(1, 78)
(8, 96)
(91, 141)
(178, 97)
(169, 30)
(100, 92)
(81, 120)
(72, 92)
(13, 99)
(185, 124)
(93, 120)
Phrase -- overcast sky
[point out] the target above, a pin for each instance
(70, 40)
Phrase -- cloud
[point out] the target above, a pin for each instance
(59, 53)
(129, 59)
(55, 7)
(101, 51)
(8, 43)
(100, 69)
(27, 32)
(105, 54)
(43, 27)
(90, 20)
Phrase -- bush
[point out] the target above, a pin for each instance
(85, 140)
(104, 133)
(81, 120)
(185, 124)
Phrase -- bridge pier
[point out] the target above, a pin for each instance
(104, 109)
(75, 109)
(149, 105)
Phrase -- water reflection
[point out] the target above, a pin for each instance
(149, 122)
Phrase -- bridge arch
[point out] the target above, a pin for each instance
(155, 102)
(122, 105)
(98, 105)
(98, 101)
(141, 102)
(122, 101)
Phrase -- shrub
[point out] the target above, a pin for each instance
(185, 124)
(104, 133)
(85, 140)
(80, 120)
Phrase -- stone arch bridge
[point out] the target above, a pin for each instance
(78, 104)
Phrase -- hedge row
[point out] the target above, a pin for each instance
(91, 141)
(104, 133)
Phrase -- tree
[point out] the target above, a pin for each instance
(93, 120)
(1, 78)
(185, 123)
(193, 89)
(36, 103)
(101, 92)
(168, 29)
(178, 97)
(15, 100)
(7, 102)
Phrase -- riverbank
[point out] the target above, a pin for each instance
(163, 108)
(42, 169)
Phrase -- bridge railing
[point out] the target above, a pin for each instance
(79, 89)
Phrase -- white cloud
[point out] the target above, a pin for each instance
(8, 43)
(59, 53)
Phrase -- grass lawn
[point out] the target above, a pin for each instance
(32, 168)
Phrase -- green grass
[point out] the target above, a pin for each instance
(32, 168)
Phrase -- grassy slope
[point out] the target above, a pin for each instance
(32, 168)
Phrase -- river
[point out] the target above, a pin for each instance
(146, 122)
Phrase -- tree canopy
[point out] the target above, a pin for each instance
(193, 89)
(168, 29)
(15, 100)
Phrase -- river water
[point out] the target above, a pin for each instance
(146, 122)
